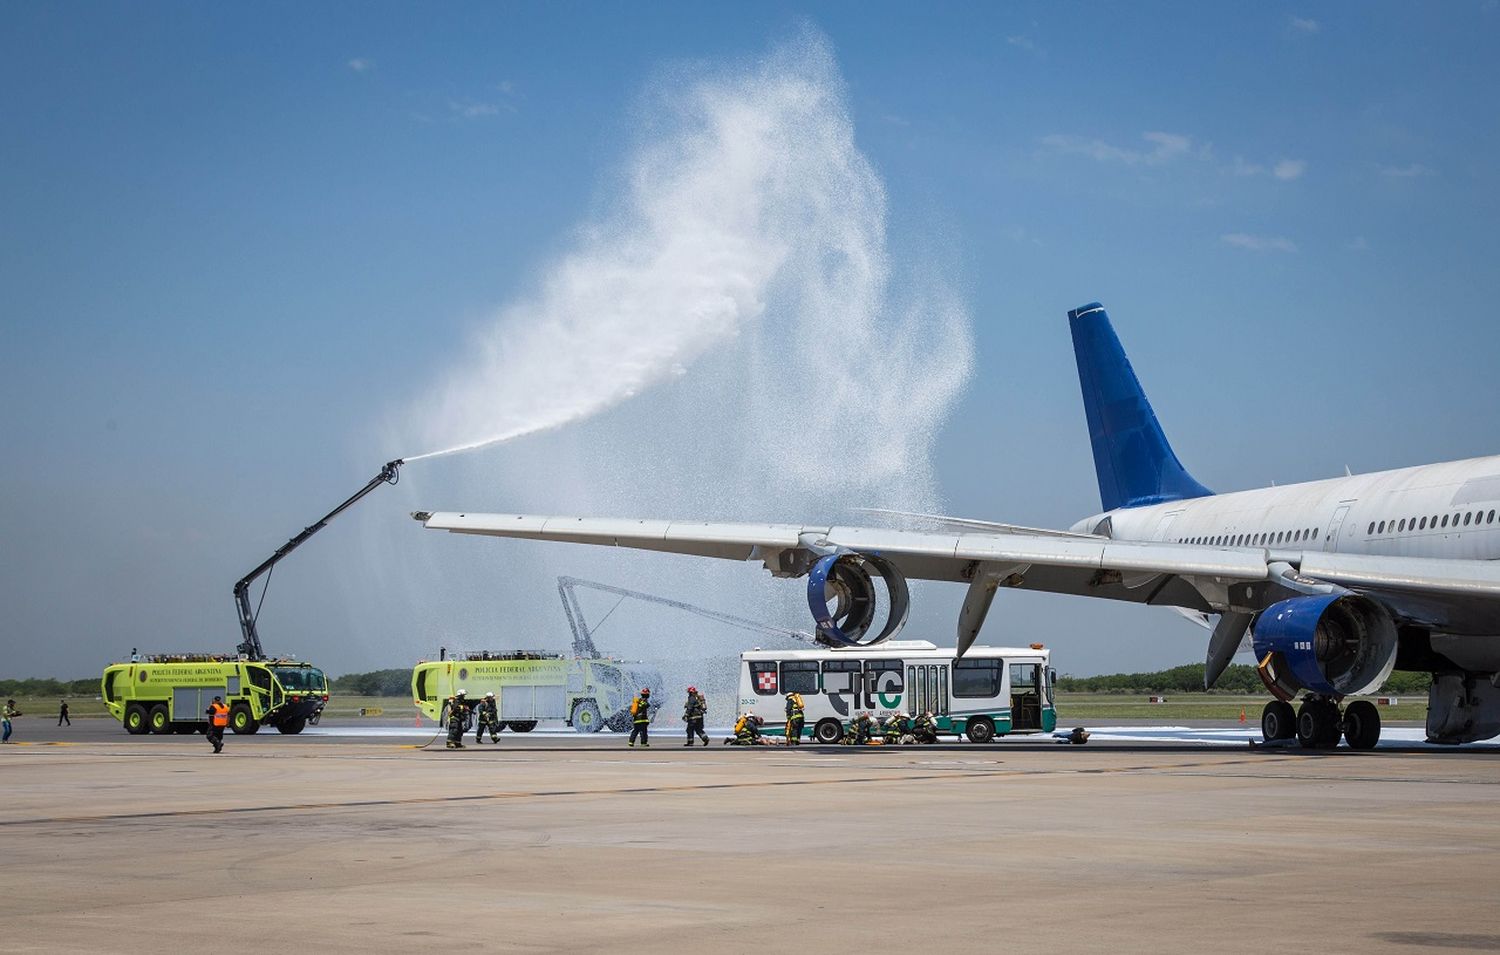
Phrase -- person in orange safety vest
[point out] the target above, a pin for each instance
(218, 720)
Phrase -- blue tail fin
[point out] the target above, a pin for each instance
(1135, 464)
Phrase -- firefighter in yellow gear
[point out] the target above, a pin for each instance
(926, 728)
(895, 728)
(747, 730)
(794, 718)
(458, 719)
(640, 716)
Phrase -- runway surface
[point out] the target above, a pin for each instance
(559, 842)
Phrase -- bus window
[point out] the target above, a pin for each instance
(884, 684)
(839, 675)
(976, 678)
(799, 676)
(1023, 677)
(763, 677)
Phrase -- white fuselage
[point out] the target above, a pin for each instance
(1449, 510)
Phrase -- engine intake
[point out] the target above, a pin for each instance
(842, 595)
(1331, 644)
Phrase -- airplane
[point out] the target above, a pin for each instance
(1333, 583)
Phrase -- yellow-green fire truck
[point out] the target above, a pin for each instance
(587, 693)
(170, 693)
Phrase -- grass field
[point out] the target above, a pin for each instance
(45, 708)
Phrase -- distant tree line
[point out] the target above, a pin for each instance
(1240, 678)
(49, 687)
(374, 683)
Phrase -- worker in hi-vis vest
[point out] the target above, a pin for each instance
(218, 720)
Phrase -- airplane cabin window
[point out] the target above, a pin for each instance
(1371, 529)
(1381, 529)
(1422, 526)
(1467, 518)
(1491, 518)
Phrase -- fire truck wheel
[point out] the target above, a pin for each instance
(160, 719)
(135, 719)
(240, 720)
(292, 727)
(521, 726)
(586, 717)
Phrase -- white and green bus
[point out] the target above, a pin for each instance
(992, 691)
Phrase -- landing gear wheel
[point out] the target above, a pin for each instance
(521, 726)
(1361, 724)
(160, 720)
(1318, 724)
(1278, 721)
(980, 730)
(292, 727)
(586, 717)
(135, 720)
(240, 720)
(828, 731)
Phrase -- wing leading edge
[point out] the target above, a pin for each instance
(1194, 577)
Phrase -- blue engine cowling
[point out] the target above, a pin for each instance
(1331, 644)
(842, 596)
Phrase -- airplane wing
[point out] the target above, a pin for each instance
(1194, 577)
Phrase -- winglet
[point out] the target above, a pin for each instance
(1134, 463)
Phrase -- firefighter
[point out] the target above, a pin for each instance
(640, 716)
(458, 719)
(794, 718)
(487, 715)
(895, 728)
(218, 719)
(926, 728)
(858, 733)
(693, 714)
(746, 730)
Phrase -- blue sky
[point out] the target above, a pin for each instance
(235, 240)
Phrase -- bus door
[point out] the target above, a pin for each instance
(1026, 696)
(927, 688)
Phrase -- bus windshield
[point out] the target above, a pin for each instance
(300, 678)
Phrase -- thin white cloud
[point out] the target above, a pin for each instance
(1305, 25)
(1258, 243)
(1023, 41)
(1289, 169)
(1164, 147)
(361, 64)
(1411, 171)
(1359, 244)
(896, 120)
(477, 109)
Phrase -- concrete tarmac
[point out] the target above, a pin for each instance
(579, 844)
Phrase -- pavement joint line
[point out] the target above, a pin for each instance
(480, 797)
(961, 774)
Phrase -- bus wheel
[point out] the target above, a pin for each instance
(586, 717)
(828, 731)
(240, 720)
(135, 719)
(160, 720)
(292, 727)
(981, 729)
(521, 726)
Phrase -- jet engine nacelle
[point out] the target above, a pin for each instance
(1331, 644)
(842, 594)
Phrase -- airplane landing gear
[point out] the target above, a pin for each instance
(1278, 721)
(1318, 723)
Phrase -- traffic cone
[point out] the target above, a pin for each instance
(1242, 714)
